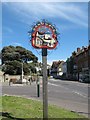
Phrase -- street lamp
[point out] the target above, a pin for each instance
(22, 72)
(30, 71)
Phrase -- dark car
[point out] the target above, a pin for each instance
(57, 77)
(85, 79)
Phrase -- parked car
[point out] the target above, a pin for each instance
(85, 79)
(57, 77)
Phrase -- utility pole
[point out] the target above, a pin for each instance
(45, 83)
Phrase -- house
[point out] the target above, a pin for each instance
(79, 63)
(38, 42)
(60, 69)
(83, 61)
(56, 68)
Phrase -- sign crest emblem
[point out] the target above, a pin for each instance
(44, 35)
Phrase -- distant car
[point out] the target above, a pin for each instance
(57, 77)
(85, 79)
(51, 77)
(80, 79)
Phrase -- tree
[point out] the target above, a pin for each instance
(70, 66)
(18, 53)
(12, 58)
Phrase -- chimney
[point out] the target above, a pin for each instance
(78, 49)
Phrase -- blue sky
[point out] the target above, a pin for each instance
(71, 20)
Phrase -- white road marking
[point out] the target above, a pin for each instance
(80, 94)
(58, 85)
(53, 84)
(70, 82)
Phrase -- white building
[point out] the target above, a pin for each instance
(60, 68)
(1, 76)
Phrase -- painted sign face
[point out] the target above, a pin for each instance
(44, 36)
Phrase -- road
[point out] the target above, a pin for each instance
(70, 95)
(66, 94)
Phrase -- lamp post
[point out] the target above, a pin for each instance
(22, 73)
(30, 72)
(38, 81)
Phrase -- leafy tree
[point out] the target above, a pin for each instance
(12, 58)
(12, 67)
(70, 65)
(18, 53)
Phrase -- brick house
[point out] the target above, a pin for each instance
(80, 62)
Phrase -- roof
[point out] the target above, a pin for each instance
(56, 63)
(81, 51)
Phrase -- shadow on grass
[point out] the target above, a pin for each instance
(81, 112)
(8, 116)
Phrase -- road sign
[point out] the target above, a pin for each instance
(44, 35)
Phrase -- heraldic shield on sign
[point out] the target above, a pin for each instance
(44, 35)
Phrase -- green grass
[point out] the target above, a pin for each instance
(19, 107)
(0, 106)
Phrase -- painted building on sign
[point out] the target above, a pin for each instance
(44, 35)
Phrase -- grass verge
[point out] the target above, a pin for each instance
(18, 107)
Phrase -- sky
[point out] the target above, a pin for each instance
(70, 19)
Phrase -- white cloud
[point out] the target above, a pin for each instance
(72, 12)
(7, 29)
(45, 0)
(16, 44)
(49, 62)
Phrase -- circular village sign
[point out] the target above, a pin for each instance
(44, 35)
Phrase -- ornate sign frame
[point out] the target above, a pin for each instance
(44, 35)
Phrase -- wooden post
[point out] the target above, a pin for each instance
(45, 83)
